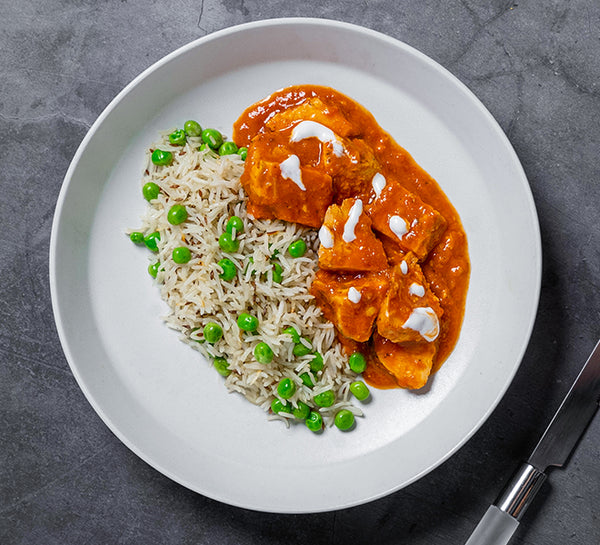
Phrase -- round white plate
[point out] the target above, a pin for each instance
(161, 398)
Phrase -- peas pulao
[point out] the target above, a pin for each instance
(238, 288)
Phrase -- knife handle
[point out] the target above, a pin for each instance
(495, 528)
(501, 519)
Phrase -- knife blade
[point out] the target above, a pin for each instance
(572, 418)
(554, 448)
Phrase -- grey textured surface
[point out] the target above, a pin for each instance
(64, 478)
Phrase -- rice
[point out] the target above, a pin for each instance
(209, 187)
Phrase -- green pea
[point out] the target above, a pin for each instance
(314, 422)
(357, 362)
(228, 148)
(181, 255)
(306, 380)
(263, 353)
(301, 350)
(286, 388)
(316, 364)
(360, 390)
(344, 420)
(325, 399)
(151, 241)
(243, 152)
(293, 332)
(222, 366)
(229, 269)
(297, 248)
(153, 269)
(162, 158)
(137, 237)
(177, 214)
(212, 332)
(177, 138)
(150, 191)
(247, 322)
(302, 411)
(277, 273)
(234, 222)
(212, 138)
(228, 243)
(278, 406)
(192, 128)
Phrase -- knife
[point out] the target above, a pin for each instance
(566, 428)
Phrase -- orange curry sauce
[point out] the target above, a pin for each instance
(265, 128)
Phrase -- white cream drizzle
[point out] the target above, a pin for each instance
(378, 184)
(354, 295)
(425, 321)
(398, 226)
(325, 237)
(353, 217)
(416, 289)
(403, 267)
(312, 129)
(290, 169)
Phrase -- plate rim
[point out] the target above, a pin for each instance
(265, 23)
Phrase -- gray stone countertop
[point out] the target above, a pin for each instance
(65, 478)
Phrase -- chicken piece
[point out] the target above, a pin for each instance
(353, 171)
(403, 217)
(376, 374)
(347, 242)
(351, 303)
(410, 363)
(350, 162)
(394, 253)
(410, 311)
(279, 186)
(312, 109)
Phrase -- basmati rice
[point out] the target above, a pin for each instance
(209, 187)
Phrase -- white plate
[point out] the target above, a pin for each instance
(161, 399)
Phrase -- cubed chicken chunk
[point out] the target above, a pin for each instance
(347, 242)
(351, 163)
(410, 363)
(393, 252)
(350, 302)
(353, 171)
(404, 218)
(280, 187)
(410, 311)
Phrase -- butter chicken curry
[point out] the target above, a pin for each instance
(393, 259)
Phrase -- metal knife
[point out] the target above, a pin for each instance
(566, 428)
